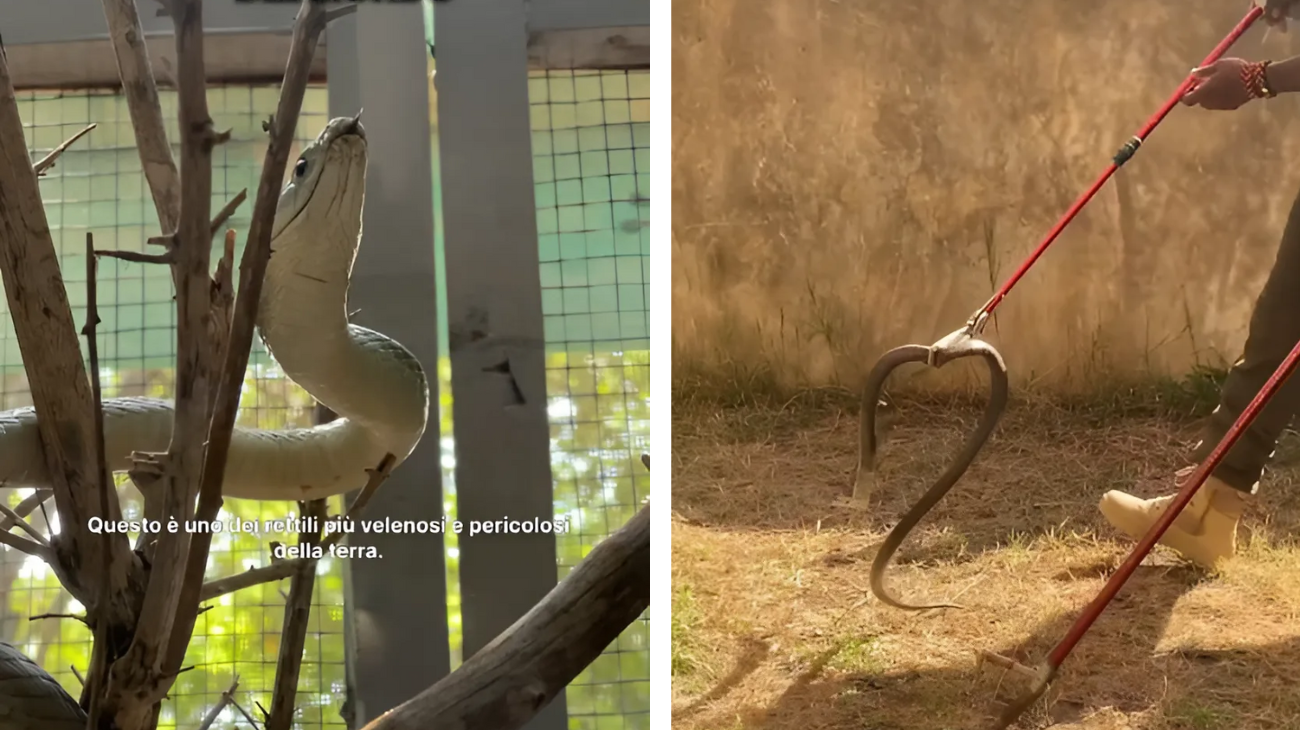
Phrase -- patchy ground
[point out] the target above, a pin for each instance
(774, 626)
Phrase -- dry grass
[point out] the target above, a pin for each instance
(774, 627)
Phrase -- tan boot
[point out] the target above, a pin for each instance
(1204, 532)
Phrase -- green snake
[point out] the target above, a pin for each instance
(374, 384)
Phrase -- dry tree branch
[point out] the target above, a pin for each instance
(169, 256)
(137, 257)
(28, 546)
(25, 508)
(47, 337)
(377, 477)
(133, 67)
(510, 680)
(297, 615)
(48, 161)
(24, 524)
(103, 483)
(307, 29)
(223, 299)
(227, 698)
(249, 578)
(224, 214)
(177, 476)
(251, 722)
(44, 616)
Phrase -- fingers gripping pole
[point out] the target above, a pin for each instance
(953, 347)
(1124, 154)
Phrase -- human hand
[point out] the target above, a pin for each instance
(1225, 84)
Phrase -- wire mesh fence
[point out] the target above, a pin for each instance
(590, 141)
(591, 172)
(98, 186)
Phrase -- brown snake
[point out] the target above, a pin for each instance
(955, 346)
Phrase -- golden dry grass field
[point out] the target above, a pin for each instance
(774, 626)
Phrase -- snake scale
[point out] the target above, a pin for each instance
(375, 385)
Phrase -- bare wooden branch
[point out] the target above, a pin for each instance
(223, 302)
(377, 477)
(227, 698)
(297, 615)
(307, 29)
(509, 681)
(30, 547)
(336, 13)
(137, 257)
(26, 507)
(48, 161)
(47, 335)
(141, 93)
(109, 507)
(251, 722)
(139, 679)
(44, 616)
(224, 214)
(22, 523)
(249, 578)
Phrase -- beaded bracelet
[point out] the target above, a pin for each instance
(1252, 76)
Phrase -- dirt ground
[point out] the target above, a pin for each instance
(774, 626)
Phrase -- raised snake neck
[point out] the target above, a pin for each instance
(376, 386)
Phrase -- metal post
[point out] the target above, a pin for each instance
(397, 604)
(494, 316)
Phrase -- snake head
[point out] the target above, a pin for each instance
(339, 146)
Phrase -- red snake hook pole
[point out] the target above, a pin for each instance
(964, 342)
(1047, 670)
(1125, 153)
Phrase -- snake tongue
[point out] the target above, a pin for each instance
(354, 125)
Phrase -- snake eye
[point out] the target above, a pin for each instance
(300, 169)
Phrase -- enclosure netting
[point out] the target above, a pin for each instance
(591, 170)
(591, 174)
(98, 186)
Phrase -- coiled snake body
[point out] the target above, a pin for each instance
(955, 346)
(377, 387)
(30, 699)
